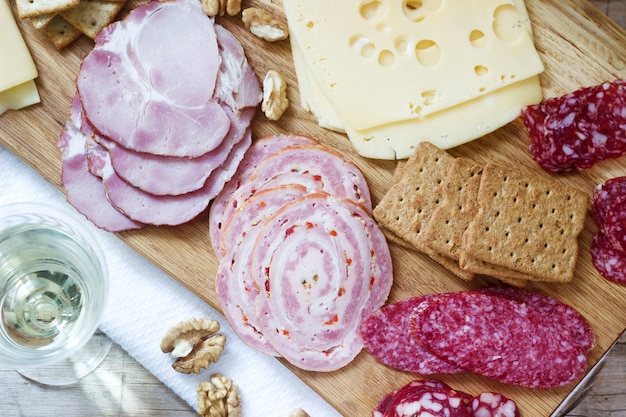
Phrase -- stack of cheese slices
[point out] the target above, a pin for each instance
(393, 74)
(17, 69)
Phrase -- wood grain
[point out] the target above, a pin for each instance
(579, 46)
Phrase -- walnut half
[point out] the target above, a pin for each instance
(194, 344)
(220, 7)
(275, 100)
(263, 25)
(219, 398)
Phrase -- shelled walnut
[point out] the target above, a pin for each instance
(275, 100)
(219, 398)
(194, 344)
(262, 24)
(220, 7)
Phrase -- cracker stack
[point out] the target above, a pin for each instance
(488, 220)
(64, 21)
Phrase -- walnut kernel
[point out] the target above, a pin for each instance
(264, 25)
(194, 344)
(275, 100)
(220, 7)
(219, 398)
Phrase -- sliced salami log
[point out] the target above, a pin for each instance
(493, 404)
(156, 100)
(313, 166)
(85, 191)
(580, 129)
(609, 211)
(236, 290)
(322, 265)
(386, 335)
(500, 339)
(562, 314)
(338, 176)
(610, 262)
(428, 398)
(259, 149)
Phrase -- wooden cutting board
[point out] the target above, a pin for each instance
(579, 46)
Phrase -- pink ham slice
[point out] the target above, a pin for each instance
(170, 175)
(85, 191)
(322, 265)
(156, 100)
(259, 149)
(237, 84)
(235, 288)
(161, 210)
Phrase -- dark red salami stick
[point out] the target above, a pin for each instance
(562, 314)
(386, 336)
(499, 338)
(610, 262)
(579, 129)
(493, 404)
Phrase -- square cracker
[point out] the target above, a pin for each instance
(33, 8)
(61, 33)
(527, 224)
(456, 210)
(405, 209)
(41, 21)
(91, 16)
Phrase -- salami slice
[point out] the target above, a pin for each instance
(580, 129)
(493, 404)
(386, 336)
(322, 265)
(609, 211)
(500, 339)
(610, 262)
(562, 314)
(259, 149)
(428, 398)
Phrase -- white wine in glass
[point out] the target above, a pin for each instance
(53, 286)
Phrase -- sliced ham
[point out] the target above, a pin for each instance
(85, 191)
(156, 100)
(170, 175)
(164, 101)
(151, 209)
(237, 84)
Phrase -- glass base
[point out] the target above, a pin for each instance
(72, 369)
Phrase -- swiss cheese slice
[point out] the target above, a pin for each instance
(17, 68)
(380, 62)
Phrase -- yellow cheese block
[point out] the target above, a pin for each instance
(17, 69)
(383, 61)
(18, 97)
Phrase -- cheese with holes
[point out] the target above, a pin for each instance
(384, 61)
(17, 69)
(393, 75)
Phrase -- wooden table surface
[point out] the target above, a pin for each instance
(122, 387)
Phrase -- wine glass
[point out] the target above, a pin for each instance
(53, 287)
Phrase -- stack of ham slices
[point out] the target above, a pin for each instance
(160, 120)
(302, 262)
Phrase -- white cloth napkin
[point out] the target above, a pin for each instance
(144, 303)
